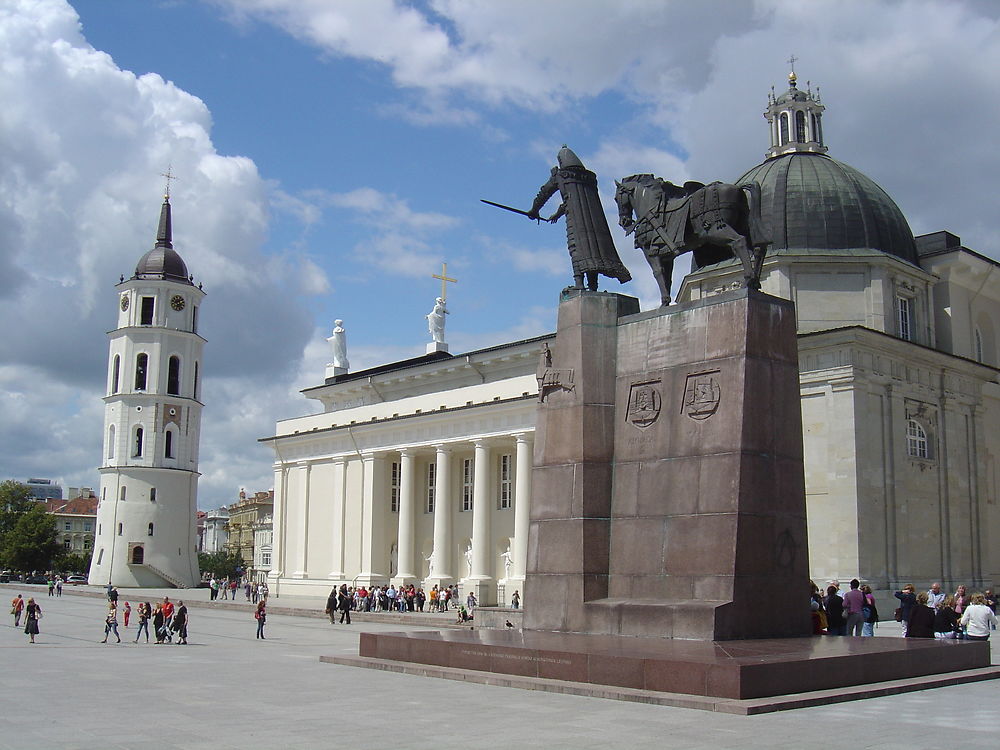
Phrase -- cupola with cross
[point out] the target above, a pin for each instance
(795, 119)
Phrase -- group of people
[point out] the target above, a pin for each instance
(843, 613)
(408, 598)
(168, 620)
(227, 587)
(930, 614)
(32, 614)
(934, 614)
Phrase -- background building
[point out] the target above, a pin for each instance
(243, 514)
(263, 539)
(44, 489)
(75, 521)
(216, 532)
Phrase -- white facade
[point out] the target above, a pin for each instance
(263, 548)
(146, 532)
(419, 472)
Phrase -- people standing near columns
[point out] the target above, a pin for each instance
(261, 616)
(515, 600)
(935, 596)
(870, 612)
(344, 604)
(854, 602)
(32, 613)
(907, 600)
(978, 619)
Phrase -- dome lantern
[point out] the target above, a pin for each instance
(795, 119)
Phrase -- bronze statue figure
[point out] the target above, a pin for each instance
(591, 249)
(715, 222)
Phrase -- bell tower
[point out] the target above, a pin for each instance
(795, 119)
(146, 534)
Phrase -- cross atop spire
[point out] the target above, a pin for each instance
(169, 175)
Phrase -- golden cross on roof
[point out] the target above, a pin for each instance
(169, 175)
(444, 281)
(791, 61)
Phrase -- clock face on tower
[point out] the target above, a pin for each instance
(124, 303)
(177, 302)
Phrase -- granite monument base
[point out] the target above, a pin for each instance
(758, 668)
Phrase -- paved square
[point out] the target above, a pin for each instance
(229, 690)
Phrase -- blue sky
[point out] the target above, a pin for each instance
(330, 155)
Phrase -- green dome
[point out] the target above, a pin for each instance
(812, 203)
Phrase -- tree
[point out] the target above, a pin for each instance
(73, 562)
(15, 500)
(31, 543)
(221, 564)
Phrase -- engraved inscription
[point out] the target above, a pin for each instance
(644, 403)
(702, 394)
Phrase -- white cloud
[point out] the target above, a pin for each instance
(82, 146)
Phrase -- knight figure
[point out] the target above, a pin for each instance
(591, 249)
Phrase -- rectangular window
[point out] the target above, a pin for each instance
(506, 481)
(431, 484)
(66, 544)
(88, 543)
(152, 492)
(394, 488)
(468, 473)
(88, 525)
(67, 526)
(146, 312)
(194, 319)
(904, 318)
(265, 559)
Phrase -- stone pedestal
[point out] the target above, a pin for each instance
(669, 496)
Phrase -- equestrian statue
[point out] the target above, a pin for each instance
(715, 222)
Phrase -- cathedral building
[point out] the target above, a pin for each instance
(146, 534)
(420, 471)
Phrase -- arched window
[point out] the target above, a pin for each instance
(800, 127)
(195, 394)
(120, 529)
(783, 128)
(152, 494)
(149, 531)
(121, 495)
(174, 376)
(138, 555)
(916, 440)
(111, 441)
(818, 129)
(141, 364)
(979, 345)
(168, 444)
(137, 452)
(114, 373)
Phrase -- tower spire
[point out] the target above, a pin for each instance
(164, 233)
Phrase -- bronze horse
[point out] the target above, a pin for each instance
(715, 222)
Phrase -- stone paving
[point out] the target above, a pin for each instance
(229, 690)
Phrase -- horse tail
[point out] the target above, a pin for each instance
(759, 234)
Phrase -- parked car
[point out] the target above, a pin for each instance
(37, 579)
(75, 580)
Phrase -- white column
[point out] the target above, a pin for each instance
(441, 569)
(407, 516)
(280, 528)
(522, 505)
(337, 532)
(306, 469)
(374, 557)
(481, 511)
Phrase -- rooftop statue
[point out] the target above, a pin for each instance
(338, 342)
(435, 320)
(715, 222)
(591, 249)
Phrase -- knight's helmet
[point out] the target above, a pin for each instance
(568, 159)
